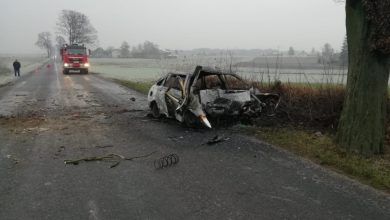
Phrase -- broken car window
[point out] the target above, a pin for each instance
(213, 82)
(160, 81)
(173, 82)
(234, 83)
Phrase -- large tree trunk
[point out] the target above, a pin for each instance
(362, 122)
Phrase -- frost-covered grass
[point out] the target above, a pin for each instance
(152, 69)
(28, 62)
(127, 69)
(4, 69)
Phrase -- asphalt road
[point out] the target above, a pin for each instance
(47, 117)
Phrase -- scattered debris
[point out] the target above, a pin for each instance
(62, 148)
(129, 110)
(166, 161)
(172, 138)
(59, 151)
(132, 99)
(104, 146)
(14, 160)
(318, 134)
(110, 157)
(216, 139)
(36, 129)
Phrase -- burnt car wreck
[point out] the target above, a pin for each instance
(207, 94)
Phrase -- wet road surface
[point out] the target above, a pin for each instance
(47, 117)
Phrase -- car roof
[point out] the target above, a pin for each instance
(177, 74)
(205, 70)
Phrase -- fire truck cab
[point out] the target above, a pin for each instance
(74, 58)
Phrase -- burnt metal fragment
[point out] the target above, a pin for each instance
(166, 161)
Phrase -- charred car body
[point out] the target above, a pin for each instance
(206, 94)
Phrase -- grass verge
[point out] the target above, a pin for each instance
(142, 87)
(4, 70)
(321, 149)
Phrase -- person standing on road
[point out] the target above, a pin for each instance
(17, 67)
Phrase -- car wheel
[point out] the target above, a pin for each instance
(155, 110)
(65, 72)
(270, 108)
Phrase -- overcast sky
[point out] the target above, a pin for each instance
(182, 24)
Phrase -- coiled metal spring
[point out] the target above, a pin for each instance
(166, 161)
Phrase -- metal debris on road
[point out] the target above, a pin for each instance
(62, 148)
(166, 161)
(129, 110)
(110, 157)
(104, 146)
(35, 129)
(175, 139)
(216, 139)
(14, 160)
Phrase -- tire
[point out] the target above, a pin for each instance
(270, 109)
(65, 71)
(155, 110)
(84, 71)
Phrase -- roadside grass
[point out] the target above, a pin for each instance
(4, 70)
(321, 149)
(142, 87)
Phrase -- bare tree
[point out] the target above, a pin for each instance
(76, 27)
(60, 41)
(109, 51)
(291, 51)
(125, 50)
(44, 42)
(148, 50)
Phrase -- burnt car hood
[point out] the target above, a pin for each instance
(218, 102)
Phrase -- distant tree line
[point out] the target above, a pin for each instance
(146, 50)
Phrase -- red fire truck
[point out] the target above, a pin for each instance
(74, 58)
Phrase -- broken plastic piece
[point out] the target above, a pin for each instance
(216, 139)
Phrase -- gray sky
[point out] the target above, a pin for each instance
(182, 24)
